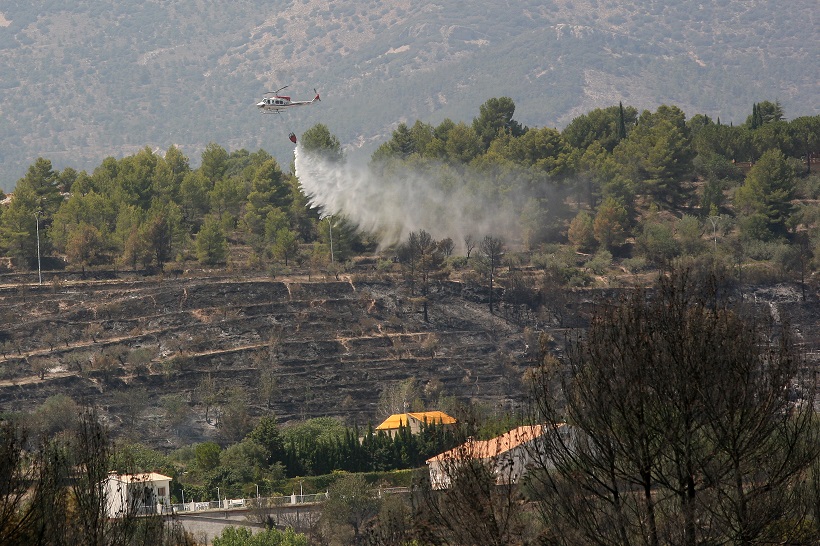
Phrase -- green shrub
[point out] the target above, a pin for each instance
(243, 536)
(636, 264)
(763, 250)
(599, 263)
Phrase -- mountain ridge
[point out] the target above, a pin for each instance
(102, 78)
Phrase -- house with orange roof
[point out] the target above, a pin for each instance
(509, 456)
(140, 494)
(414, 421)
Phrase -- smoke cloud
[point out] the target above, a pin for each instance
(391, 206)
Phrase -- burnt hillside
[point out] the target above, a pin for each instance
(155, 353)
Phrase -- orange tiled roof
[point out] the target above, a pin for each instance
(485, 449)
(401, 419)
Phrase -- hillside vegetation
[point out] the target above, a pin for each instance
(87, 80)
(235, 337)
(248, 304)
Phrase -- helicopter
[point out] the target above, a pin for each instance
(273, 103)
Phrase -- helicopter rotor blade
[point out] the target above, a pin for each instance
(275, 92)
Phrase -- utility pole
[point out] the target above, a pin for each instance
(39, 269)
(714, 220)
(330, 228)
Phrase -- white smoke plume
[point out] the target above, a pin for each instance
(392, 206)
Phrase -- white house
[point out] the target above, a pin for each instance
(146, 493)
(509, 455)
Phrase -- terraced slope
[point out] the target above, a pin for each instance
(154, 354)
(165, 359)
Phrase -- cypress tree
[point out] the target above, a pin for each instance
(621, 122)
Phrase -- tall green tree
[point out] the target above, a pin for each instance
(606, 126)
(128, 238)
(399, 146)
(658, 155)
(765, 112)
(319, 140)
(135, 178)
(496, 117)
(169, 173)
(44, 184)
(270, 191)
(266, 433)
(581, 232)
(20, 224)
(768, 191)
(161, 232)
(211, 243)
(214, 163)
(227, 197)
(35, 200)
(462, 144)
(610, 224)
(193, 198)
(542, 150)
(285, 245)
(103, 179)
(621, 133)
(806, 134)
(91, 209)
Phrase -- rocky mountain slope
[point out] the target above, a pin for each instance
(84, 80)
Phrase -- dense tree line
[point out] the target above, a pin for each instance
(367, 451)
(145, 210)
(269, 456)
(612, 175)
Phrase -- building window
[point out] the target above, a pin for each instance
(160, 491)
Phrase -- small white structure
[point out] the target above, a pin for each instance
(509, 456)
(136, 494)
